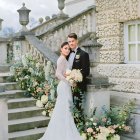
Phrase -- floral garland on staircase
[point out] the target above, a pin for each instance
(40, 83)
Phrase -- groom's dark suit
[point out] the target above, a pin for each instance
(81, 61)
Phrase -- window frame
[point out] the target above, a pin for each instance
(126, 43)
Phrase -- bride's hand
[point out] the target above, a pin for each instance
(65, 75)
(74, 84)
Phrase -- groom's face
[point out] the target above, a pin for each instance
(72, 43)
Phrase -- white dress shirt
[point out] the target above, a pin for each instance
(71, 57)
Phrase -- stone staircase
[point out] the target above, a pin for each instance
(25, 121)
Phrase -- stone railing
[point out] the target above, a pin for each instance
(38, 49)
(45, 26)
(81, 24)
(30, 44)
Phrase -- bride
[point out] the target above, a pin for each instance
(61, 125)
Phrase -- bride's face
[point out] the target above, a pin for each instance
(65, 50)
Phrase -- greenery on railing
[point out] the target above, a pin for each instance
(31, 76)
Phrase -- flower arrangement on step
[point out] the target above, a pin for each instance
(109, 125)
(37, 81)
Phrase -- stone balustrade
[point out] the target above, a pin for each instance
(44, 27)
(81, 24)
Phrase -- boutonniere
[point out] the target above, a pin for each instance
(77, 56)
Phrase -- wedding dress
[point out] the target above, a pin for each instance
(61, 125)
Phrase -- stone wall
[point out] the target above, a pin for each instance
(110, 18)
(111, 14)
(73, 7)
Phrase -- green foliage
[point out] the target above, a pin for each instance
(30, 75)
(109, 125)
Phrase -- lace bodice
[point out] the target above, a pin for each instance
(62, 66)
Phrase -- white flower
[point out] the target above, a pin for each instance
(77, 56)
(74, 75)
(115, 137)
(84, 136)
(91, 119)
(47, 69)
(44, 113)
(44, 99)
(31, 70)
(39, 104)
(24, 61)
(52, 92)
(50, 114)
(38, 65)
(101, 136)
(94, 124)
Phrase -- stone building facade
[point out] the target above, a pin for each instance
(73, 7)
(118, 30)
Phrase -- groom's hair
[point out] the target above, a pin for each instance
(73, 35)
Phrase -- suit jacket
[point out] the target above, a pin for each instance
(81, 61)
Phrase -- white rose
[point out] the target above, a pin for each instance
(44, 99)
(84, 136)
(115, 137)
(39, 104)
(44, 113)
(50, 114)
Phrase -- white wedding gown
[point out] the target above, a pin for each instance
(61, 125)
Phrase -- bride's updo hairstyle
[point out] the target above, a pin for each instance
(64, 43)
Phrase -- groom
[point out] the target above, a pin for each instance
(78, 59)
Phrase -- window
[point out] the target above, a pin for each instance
(132, 42)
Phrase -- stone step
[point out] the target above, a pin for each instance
(98, 80)
(26, 112)
(27, 123)
(4, 68)
(8, 86)
(128, 138)
(32, 134)
(6, 77)
(120, 98)
(12, 94)
(90, 87)
(21, 102)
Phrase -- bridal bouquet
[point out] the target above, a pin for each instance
(74, 76)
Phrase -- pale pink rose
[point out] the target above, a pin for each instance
(89, 130)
